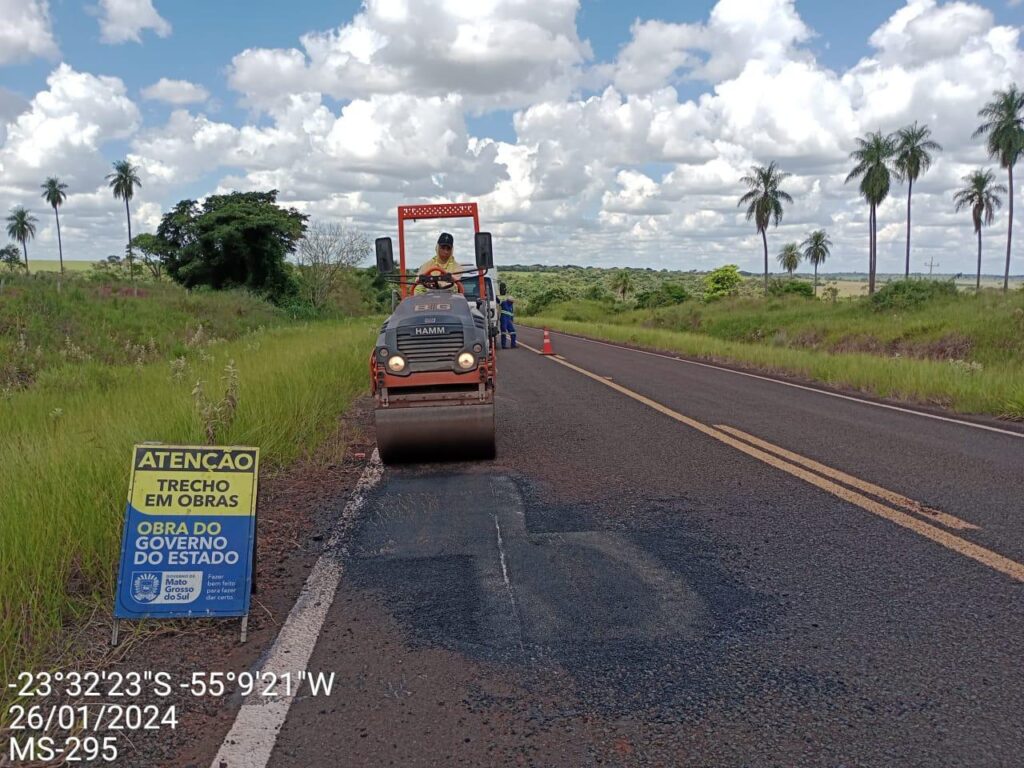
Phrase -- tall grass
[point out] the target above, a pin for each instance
(66, 445)
(996, 389)
(986, 328)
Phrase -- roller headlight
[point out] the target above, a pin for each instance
(396, 364)
(383, 352)
(466, 361)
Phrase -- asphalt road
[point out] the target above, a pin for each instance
(634, 582)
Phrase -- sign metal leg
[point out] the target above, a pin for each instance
(113, 634)
(245, 628)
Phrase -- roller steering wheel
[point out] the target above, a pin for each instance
(436, 278)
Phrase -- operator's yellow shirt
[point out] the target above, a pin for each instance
(451, 265)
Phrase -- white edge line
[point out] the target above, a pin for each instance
(791, 384)
(251, 739)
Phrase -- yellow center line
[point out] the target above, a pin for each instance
(993, 560)
(943, 518)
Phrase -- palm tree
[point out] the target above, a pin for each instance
(817, 247)
(622, 283)
(123, 181)
(913, 157)
(21, 226)
(873, 157)
(789, 257)
(54, 194)
(764, 202)
(981, 195)
(1004, 129)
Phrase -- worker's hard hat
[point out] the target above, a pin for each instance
(445, 239)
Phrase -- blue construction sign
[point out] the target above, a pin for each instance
(189, 532)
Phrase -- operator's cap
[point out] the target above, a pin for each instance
(445, 239)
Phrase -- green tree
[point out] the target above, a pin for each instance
(981, 196)
(764, 202)
(176, 228)
(622, 283)
(1003, 130)
(789, 257)
(10, 258)
(913, 157)
(873, 157)
(237, 240)
(724, 281)
(21, 226)
(154, 252)
(123, 182)
(54, 194)
(817, 248)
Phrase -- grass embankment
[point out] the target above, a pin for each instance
(106, 323)
(963, 352)
(67, 443)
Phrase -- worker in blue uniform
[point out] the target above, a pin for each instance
(508, 328)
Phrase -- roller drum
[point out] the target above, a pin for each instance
(436, 432)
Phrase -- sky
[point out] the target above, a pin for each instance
(589, 131)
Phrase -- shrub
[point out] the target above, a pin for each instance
(665, 295)
(790, 288)
(906, 294)
(724, 281)
(546, 298)
(596, 292)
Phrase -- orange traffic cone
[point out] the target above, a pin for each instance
(547, 350)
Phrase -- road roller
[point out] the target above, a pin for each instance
(433, 367)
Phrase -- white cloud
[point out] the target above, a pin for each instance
(25, 31)
(65, 123)
(177, 92)
(492, 52)
(62, 132)
(923, 30)
(374, 113)
(737, 32)
(124, 20)
(637, 194)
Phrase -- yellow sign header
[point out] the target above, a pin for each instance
(194, 480)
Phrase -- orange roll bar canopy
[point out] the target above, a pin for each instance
(433, 211)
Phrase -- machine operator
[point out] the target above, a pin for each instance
(444, 260)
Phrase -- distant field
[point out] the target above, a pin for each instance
(52, 265)
(537, 287)
(853, 287)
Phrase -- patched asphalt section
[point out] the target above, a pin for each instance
(618, 589)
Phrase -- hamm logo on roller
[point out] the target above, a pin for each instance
(429, 330)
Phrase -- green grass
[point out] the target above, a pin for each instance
(107, 323)
(965, 352)
(64, 457)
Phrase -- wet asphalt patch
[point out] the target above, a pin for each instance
(641, 620)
